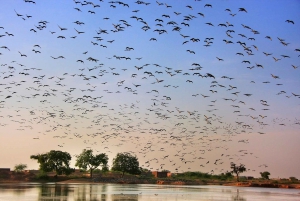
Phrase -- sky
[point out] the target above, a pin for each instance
(183, 85)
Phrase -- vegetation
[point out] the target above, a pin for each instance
(125, 162)
(57, 161)
(42, 176)
(265, 175)
(20, 167)
(203, 176)
(237, 169)
(87, 161)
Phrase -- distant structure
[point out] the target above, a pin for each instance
(245, 177)
(158, 174)
(32, 171)
(4, 170)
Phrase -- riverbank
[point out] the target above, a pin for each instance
(158, 182)
(264, 185)
(179, 182)
(29, 177)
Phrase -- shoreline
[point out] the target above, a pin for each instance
(158, 182)
(15, 178)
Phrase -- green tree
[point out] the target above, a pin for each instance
(20, 167)
(265, 174)
(105, 169)
(237, 169)
(225, 176)
(57, 161)
(125, 162)
(87, 161)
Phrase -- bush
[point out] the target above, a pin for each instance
(97, 171)
(293, 179)
(42, 175)
(20, 167)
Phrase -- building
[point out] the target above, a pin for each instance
(4, 170)
(245, 177)
(157, 174)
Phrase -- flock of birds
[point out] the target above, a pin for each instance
(177, 118)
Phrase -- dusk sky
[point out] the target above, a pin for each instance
(184, 85)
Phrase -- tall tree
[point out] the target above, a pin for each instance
(237, 169)
(87, 161)
(57, 161)
(265, 174)
(125, 162)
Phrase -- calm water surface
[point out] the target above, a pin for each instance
(140, 192)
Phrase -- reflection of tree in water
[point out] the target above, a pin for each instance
(124, 197)
(99, 193)
(103, 195)
(16, 190)
(54, 192)
(238, 197)
(90, 193)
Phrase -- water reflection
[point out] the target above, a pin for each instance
(238, 197)
(90, 193)
(124, 197)
(54, 192)
(18, 190)
(143, 192)
(103, 189)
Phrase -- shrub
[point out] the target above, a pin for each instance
(42, 175)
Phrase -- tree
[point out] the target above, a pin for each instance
(293, 179)
(125, 162)
(20, 167)
(226, 175)
(265, 174)
(57, 161)
(105, 169)
(87, 161)
(237, 169)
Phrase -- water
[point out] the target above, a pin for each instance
(140, 192)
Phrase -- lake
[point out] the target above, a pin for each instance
(140, 192)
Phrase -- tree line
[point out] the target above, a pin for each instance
(59, 162)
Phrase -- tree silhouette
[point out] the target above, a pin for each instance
(265, 174)
(237, 169)
(87, 161)
(20, 167)
(125, 162)
(57, 161)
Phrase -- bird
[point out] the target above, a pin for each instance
(127, 79)
(290, 21)
(79, 32)
(190, 51)
(19, 15)
(62, 29)
(22, 55)
(242, 10)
